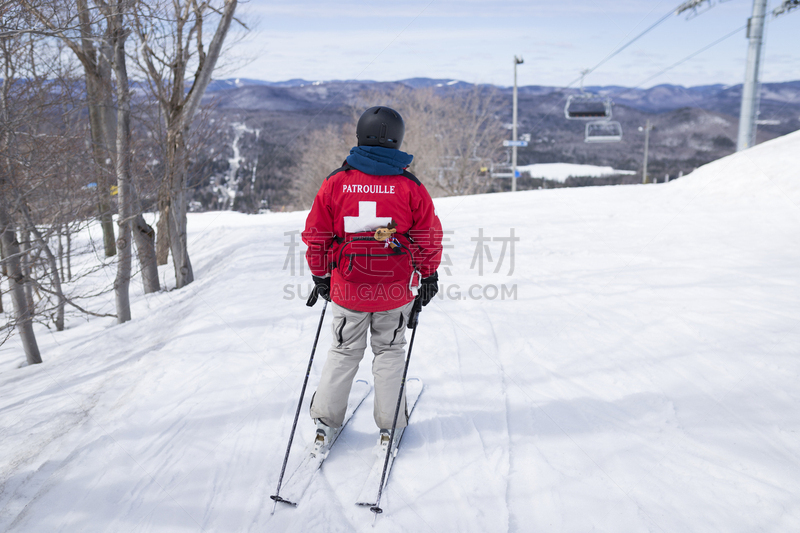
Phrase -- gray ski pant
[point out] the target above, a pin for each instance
(388, 339)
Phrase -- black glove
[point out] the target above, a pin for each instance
(428, 288)
(322, 287)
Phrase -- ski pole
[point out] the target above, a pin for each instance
(415, 310)
(276, 497)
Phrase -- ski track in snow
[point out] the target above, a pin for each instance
(644, 379)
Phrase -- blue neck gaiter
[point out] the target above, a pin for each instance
(378, 160)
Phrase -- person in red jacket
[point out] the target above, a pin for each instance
(374, 244)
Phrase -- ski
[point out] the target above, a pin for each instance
(369, 493)
(300, 479)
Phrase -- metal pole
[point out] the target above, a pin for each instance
(749, 112)
(646, 148)
(517, 61)
(413, 322)
(277, 496)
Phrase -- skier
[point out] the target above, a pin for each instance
(374, 244)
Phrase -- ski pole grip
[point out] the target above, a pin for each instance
(312, 298)
(413, 317)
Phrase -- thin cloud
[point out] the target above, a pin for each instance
(475, 40)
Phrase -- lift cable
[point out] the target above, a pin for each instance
(684, 60)
(684, 6)
(690, 4)
(620, 49)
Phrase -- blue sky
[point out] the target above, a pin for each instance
(476, 41)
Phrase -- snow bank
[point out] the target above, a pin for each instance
(632, 367)
(772, 167)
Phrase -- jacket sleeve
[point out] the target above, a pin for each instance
(319, 235)
(426, 231)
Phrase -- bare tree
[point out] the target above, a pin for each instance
(16, 281)
(74, 24)
(116, 12)
(43, 173)
(331, 146)
(171, 36)
(98, 88)
(35, 145)
(473, 138)
(11, 249)
(451, 137)
(89, 33)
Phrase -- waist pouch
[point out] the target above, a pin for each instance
(362, 259)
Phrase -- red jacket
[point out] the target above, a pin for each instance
(352, 204)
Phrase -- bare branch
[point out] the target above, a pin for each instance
(72, 303)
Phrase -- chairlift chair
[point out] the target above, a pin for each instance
(604, 131)
(587, 106)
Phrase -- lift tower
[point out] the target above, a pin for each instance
(749, 112)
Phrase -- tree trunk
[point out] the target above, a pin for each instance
(145, 237)
(16, 282)
(177, 215)
(27, 267)
(62, 301)
(69, 255)
(123, 170)
(107, 225)
(162, 227)
(3, 272)
(99, 111)
(60, 250)
(98, 92)
(12, 266)
(184, 274)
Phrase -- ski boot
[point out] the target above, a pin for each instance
(383, 442)
(322, 440)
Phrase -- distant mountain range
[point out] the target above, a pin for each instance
(299, 93)
(270, 122)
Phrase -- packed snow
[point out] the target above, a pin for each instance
(561, 171)
(632, 366)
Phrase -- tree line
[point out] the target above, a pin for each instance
(454, 137)
(77, 143)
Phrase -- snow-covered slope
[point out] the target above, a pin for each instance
(643, 379)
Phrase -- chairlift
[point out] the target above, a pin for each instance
(586, 106)
(604, 131)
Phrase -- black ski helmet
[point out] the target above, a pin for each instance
(380, 126)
